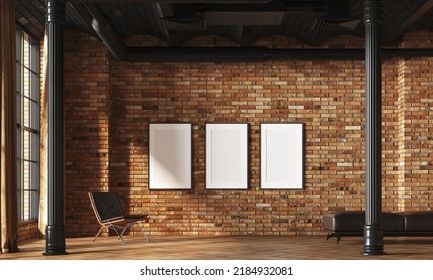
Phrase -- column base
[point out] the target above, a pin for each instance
(373, 240)
(55, 240)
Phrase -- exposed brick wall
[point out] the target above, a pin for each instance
(109, 105)
(28, 230)
(416, 125)
(87, 111)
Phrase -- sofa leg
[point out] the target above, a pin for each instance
(330, 236)
(333, 235)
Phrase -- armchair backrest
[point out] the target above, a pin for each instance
(106, 206)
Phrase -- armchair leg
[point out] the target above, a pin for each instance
(139, 226)
(124, 228)
(119, 235)
(99, 232)
(142, 231)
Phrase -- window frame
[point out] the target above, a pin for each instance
(28, 124)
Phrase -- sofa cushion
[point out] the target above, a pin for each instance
(344, 221)
(418, 221)
(353, 221)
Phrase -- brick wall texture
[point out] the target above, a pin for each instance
(28, 230)
(109, 105)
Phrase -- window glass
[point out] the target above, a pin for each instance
(27, 126)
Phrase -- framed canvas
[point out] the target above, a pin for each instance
(169, 156)
(227, 156)
(281, 156)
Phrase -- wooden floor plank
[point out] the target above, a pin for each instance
(226, 248)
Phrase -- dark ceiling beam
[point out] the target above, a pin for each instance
(120, 51)
(237, 6)
(417, 15)
(170, 1)
(258, 54)
(238, 54)
(275, 6)
(305, 6)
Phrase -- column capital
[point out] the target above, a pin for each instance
(55, 11)
(373, 11)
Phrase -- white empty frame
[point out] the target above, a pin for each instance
(281, 156)
(227, 156)
(169, 156)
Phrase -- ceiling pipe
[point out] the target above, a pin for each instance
(105, 30)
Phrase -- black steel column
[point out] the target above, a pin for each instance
(373, 232)
(55, 230)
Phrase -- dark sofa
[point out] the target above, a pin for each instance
(351, 223)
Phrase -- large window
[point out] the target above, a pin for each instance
(27, 95)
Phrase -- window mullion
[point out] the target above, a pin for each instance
(22, 204)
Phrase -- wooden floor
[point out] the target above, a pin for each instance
(226, 248)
